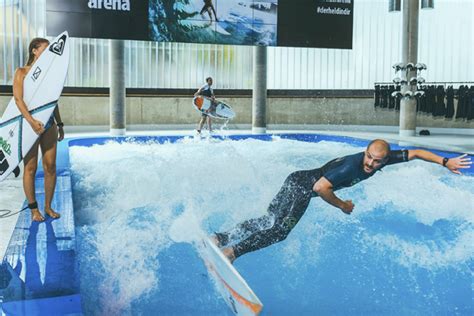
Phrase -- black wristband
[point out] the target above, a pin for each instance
(60, 124)
(445, 161)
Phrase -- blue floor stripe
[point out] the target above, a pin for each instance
(41, 257)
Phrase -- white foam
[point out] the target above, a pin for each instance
(187, 185)
(430, 255)
(418, 189)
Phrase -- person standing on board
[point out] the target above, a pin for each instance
(208, 7)
(291, 202)
(49, 136)
(206, 91)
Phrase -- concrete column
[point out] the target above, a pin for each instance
(409, 55)
(117, 87)
(259, 93)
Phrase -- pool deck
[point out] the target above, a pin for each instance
(12, 196)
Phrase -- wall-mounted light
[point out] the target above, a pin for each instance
(427, 4)
(394, 5)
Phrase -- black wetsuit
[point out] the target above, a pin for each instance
(289, 205)
(206, 91)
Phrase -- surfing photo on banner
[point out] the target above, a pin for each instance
(237, 22)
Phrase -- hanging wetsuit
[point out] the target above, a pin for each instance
(449, 102)
(440, 108)
(391, 102)
(470, 103)
(422, 100)
(398, 100)
(291, 202)
(461, 108)
(377, 96)
(384, 97)
(431, 100)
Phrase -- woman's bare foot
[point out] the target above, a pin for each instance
(36, 215)
(52, 213)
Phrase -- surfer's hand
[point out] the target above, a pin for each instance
(37, 126)
(460, 162)
(347, 207)
(60, 133)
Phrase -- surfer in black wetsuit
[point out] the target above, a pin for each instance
(208, 6)
(289, 205)
(207, 91)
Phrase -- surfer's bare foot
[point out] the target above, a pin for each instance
(52, 213)
(215, 240)
(36, 215)
(229, 253)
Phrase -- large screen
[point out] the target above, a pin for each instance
(297, 23)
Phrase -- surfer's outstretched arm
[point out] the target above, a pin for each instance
(453, 164)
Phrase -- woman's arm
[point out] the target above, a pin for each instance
(57, 116)
(18, 79)
(59, 123)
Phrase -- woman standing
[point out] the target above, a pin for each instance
(49, 136)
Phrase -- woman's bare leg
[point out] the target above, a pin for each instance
(48, 143)
(31, 164)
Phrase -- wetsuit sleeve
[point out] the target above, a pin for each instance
(397, 156)
(339, 174)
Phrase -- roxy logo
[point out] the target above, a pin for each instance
(117, 5)
(58, 47)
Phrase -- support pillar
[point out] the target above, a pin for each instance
(259, 92)
(117, 87)
(410, 10)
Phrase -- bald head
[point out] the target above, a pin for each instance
(376, 155)
(379, 146)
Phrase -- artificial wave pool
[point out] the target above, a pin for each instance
(139, 206)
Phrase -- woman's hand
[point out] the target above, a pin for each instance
(60, 133)
(37, 126)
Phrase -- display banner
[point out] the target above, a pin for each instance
(297, 23)
(315, 23)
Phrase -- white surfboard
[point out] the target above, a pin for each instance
(230, 284)
(42, 87)
(221, 111)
